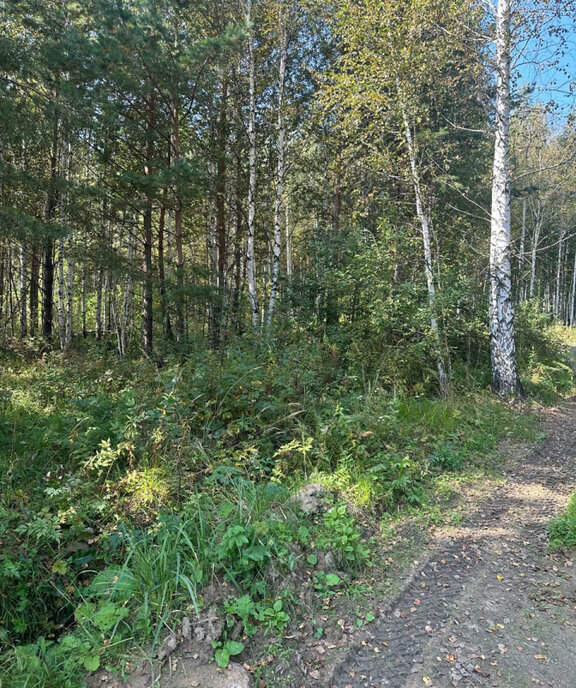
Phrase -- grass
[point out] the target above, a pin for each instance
(126, 490)
(562, 530)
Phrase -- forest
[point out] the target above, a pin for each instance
(277, 278)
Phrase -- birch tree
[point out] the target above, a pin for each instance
(280, 162)
(250, 250)
(536, 27)
(392, 59)
(505, 378)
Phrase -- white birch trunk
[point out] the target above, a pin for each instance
(99, 287)
(521, 256)
(505, 379)
(124, 319)
(70, 297)
(250, 254)
(106, 303)
(557, 290)
(83, 303)
(280, 170)
(288, 238)
(425, 225)
(573, 294)
(535, 242)
(23, 293)
(522, 235)
(61, 296)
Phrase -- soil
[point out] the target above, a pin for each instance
(490, 604)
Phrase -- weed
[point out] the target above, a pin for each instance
(562, 530)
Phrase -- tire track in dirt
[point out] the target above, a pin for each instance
(490, 606)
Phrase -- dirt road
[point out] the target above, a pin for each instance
(490, 606)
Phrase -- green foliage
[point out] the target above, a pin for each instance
(326, 583)
(562, 530)
(225, 650)
(448, 456)
(126, 489)
(341, 536)
(545, 353)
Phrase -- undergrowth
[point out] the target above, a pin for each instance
(126, 489)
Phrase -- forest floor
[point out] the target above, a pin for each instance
(425, 562)
(487, 603)
(483, 602)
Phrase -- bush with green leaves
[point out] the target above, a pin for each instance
(340, 535)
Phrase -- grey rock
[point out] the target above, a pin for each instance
(310, 498)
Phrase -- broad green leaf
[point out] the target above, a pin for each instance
(233, 647)
(222, 657)
(91, 662)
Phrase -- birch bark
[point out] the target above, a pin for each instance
(280, 170)
(425, 226)
(23, 293)
(250, 255)
(61, 295)
(573, 294)
(505, 379)
(535, 242)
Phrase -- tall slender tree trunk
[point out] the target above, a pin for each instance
(1, 249)
(48, 289)
(127, 299)
(425, 226)
(331, 305)
(250, 253)
(505, 378)
(70, 296)
(535, 243)
(522, 256)
(61, 295)
(558, 286)
(48, 259)
(2, 285)
(10, 290)
(218, 308)
(235, 306)
(34, 289)
(147, 296)
(69, 306)
(106, 319)
(178, 225)
(280, 168)
(573, 294)
(288, 239)
(99, 298)
(23, 293)
(83, 305)
(166, 320)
